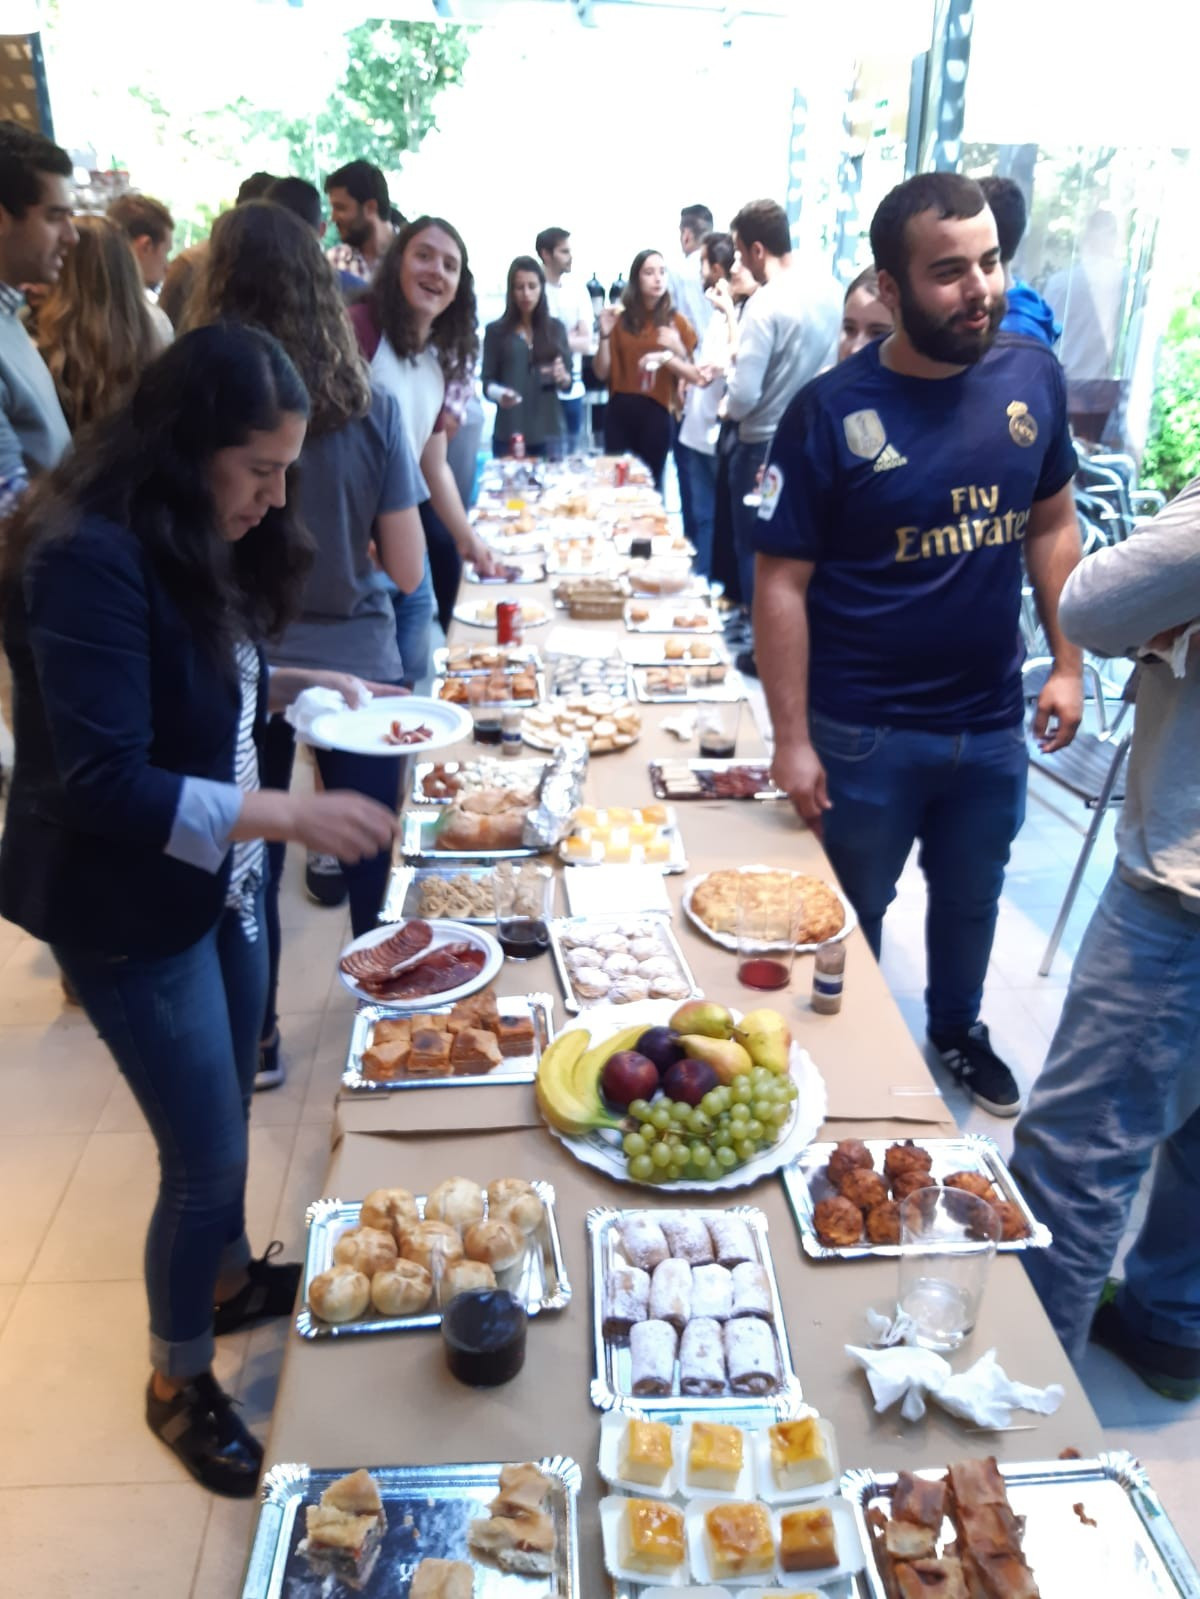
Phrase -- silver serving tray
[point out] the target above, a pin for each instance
(730, 688)
(612, 1382)
(536, 573)
(429, 1509)
(508, 773)
(540, 1282)
(403, 897)
(591, 677)
(806, 1184)
(660, 780)
(481, 705)
(512, 1068)
(662, 617)
(650, 649)
(418, 847)
(675, 862)
(563, 924)
(518, 655)
(1132, 1551)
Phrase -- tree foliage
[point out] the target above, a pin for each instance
(1172, 455)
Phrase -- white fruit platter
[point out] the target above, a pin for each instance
(603, 1148)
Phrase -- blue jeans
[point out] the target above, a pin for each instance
(963, 796)
(414, 618)
(183, 1030)
(743, 479)
(698, 499)
(572, 415)
(1122, 1080)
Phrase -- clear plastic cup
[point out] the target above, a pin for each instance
(948, 1240)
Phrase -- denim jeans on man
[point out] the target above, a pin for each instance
(414, 631)
(697, 474)
(1122, 1079)
(184, 1031)
(962, 795)
(744, 466)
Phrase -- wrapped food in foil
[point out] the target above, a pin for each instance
(549, 820)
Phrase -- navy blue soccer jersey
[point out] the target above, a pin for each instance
(911, 497)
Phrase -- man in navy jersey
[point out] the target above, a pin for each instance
(902, 489)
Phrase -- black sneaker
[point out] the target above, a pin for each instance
(746, 664)
(206, 1435)
(324, 880)
(269, 1291)
(1172, 1370)
(970, 1057)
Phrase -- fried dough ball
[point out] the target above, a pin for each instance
(1012, 1223)
(838, 1222)
(850, 1155)
(883, 1223)
(908, 1182)
(866, 1189)
(906, 1157)
(971, 1182)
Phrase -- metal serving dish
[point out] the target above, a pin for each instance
(663, 612)
(512, 1068)
(403, 898)
(806, 1185)
(539, 1282)
(418, 846)
(572, 999)
(678, 779)
(612, 1380)
(539, 683)
(495, 772)
(729, 689)
(1131, 1550)
(429, 1511)
(515, 655)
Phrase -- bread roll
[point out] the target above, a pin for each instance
(458, 1201)
(513, 1200)
(420, 1243)
(402, 1290)
(498, 1243)
(339, 1294)
(367, 1249)
(464, 1274)
(388, 1209)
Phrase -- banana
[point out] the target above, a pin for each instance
(567, 1110)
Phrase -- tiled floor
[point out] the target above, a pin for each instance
(91, 1503)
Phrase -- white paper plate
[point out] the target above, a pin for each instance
(850, 1554)
(474, 613)
(764, 1477)
(612, 1510)
(729, 940)
(743, 1488)
(443, 933)
(604, 1153)
(612, 1430)
(363, 731)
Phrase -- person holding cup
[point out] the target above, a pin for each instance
(526, 364)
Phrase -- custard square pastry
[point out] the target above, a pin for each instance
(716, 1453)
(798, 1454)
(430, 1056)
(646, 1452)
(382, 1062)
(652, 1537)
(474, 1050)
(739, 1540)
(514, 1034)
(806, 1540)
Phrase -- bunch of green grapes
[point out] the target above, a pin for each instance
(729, 1126)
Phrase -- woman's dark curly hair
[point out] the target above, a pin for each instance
(147, 468)
(454, 336)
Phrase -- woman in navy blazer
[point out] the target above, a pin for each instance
(138, 581)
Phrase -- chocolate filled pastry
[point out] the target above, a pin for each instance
(702, 1358)
(712, 1292)
(906, 1157)
(688, 1239)
(1012, 1223)
(851, 1154)
(751, 1356)
(626, 1300)
(752, 1291)
(671, 1293)
(866, 1189)
(643, 1242)
(883, 1222)
(971, 1182)
(731, 1240)
(908, 1182)
(652, 1348)
(838, 1222)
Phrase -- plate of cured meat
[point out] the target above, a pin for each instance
(404, 965)
(393, 725)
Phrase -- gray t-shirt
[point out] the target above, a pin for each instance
(347, 479)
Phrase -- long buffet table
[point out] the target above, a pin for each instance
(390, 1400)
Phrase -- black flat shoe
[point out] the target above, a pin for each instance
(203, 1431)
(269, 1291)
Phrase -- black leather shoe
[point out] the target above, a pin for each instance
(202, 1429)
(270, 1290)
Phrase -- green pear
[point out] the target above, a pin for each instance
(726, 1057)
(704, 1017)
(764, 1035)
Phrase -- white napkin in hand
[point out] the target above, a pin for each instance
(314, 702)
(984, 1394)
(1177, 656)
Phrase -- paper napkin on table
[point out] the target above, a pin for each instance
(314, 702)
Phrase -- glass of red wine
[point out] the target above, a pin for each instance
(717, 726)
(523, 893)
(766, 921)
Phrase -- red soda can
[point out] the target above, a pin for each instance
(510, 627)
(621, 473)
(518, 446)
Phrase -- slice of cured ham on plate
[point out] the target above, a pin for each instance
(410, 965)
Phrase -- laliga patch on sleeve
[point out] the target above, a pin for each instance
(772, 487)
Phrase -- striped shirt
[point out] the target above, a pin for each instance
(246, 872)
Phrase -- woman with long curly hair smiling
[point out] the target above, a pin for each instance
(358, 486)
(94, 328)
(417, 329)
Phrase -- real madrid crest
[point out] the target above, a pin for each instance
(864, 433)
(1022, 427)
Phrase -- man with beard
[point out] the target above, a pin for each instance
(362, 214)
(901, 490)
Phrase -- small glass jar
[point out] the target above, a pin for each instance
(829, 972)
